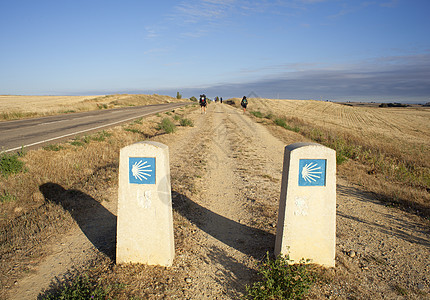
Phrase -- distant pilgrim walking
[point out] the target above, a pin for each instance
(203, 102)
(244, 103)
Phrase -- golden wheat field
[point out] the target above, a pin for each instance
(16, 107)
(40, 103)
(406, 129)
(410, 125)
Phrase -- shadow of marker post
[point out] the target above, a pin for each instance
(96, 222)
(248, 240)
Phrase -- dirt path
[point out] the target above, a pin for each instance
(72, 251)
(226, 176)
(226, 244)
(382, 252)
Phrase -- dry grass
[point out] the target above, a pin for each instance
(388, 149)
(18, 107)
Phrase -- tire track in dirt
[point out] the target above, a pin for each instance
(222, 222)
(228, 148)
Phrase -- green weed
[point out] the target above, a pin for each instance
(6, 197)
(283, 123)
(186, 122)
(316, 135)
(52, 147)
(86, 139)
(10, 164)
(11, 115)
(167, 126)
(76, 142)
(340, 158)
(400, 290)
(138, 121)
(269, 116)
(102, 106)
(280, 280)
(257, 114)
(22, 152)
(80, 288)
(133, 130)
(280, 122)
(100, 136)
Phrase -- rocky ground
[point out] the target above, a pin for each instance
(226, 176)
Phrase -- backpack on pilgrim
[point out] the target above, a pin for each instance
(202, 100)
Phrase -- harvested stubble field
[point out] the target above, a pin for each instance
(18, 107)
(59, 221)
(388, 148)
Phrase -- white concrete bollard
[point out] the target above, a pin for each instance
(306, 226)
(145, 220)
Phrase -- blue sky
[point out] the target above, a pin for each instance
(303, 49)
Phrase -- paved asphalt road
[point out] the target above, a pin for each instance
(32, 133)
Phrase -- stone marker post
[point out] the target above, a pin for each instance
(145, 221)
(306, 226)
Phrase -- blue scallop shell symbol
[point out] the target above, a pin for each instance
(141, 170)
(312, 172)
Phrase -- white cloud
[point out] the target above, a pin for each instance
(353, 7)
(152, 32)
(155, 51)
(195, 33)
(312, 1)
(392, 3)
(398, 79)
(203, 9)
